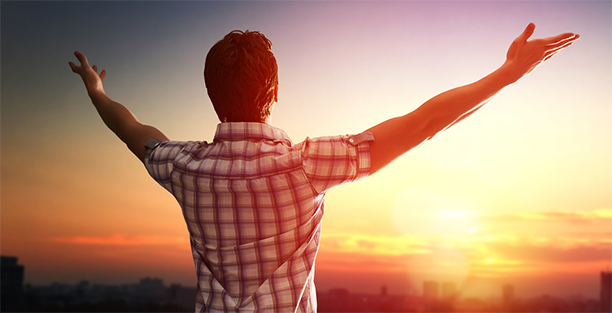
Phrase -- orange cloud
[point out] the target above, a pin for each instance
(121, 240)
(370, 244)
(574, 217)
(550, 253)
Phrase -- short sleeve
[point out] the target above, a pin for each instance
(159, 160)
(333, 161)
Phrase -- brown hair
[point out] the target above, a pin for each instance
(241, 76)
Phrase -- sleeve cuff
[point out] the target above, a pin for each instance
(152, 143)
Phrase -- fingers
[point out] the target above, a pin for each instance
(552, 52)
(84, 64)
(562, 44)
(102, 74)
(74, 67)
(82, 58)
(559, 48)
(562, 39)
(527, 32)
(550, 55)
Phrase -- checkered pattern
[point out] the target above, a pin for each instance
(253, 204)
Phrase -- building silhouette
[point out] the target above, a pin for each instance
(507, 294)
(508, 301)
(12, 282)
(449, 290)
(606, 292)
(430, 290)
(148, 295)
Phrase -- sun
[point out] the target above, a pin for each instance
(424, 213)
(444, 227)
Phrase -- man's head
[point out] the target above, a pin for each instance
(241, 77)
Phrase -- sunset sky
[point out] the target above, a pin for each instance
(520, 193)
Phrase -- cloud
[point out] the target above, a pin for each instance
(121, 240)
(549, 253)
(370, 244)
(573, 217)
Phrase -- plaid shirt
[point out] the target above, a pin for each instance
(253, 204)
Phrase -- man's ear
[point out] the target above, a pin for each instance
(276, 93)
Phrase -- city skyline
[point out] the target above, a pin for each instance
(442, 289)
(430, 288)
(519, 193)
(154, 294)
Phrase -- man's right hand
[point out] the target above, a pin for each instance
(91, 79)
(117, 117)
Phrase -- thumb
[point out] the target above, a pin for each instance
(74, 67)
(528, 32)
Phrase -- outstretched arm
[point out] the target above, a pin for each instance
(396, 136)
(117, 117)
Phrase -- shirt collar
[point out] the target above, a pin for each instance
(250, 130)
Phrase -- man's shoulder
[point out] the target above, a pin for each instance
(166, 150)
(347, 140)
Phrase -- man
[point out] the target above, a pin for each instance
(253, 200)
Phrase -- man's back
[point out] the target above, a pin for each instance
(253, 204)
